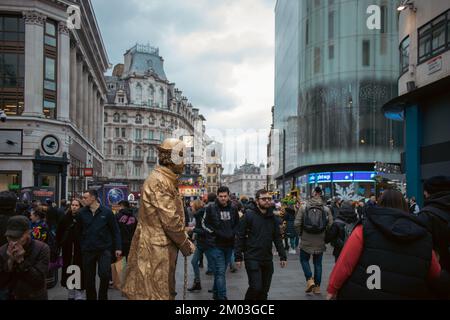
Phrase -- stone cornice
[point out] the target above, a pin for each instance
(34, 17)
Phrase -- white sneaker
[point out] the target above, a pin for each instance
(292, 251)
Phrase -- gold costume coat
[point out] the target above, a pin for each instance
(150, 273)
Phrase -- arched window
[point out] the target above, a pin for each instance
(124, 118)
(138, 97)
(138, 119)
(152, 119)
(105, 117)
(120, 151)
(162, 96)
(116, 117)
(151, 95)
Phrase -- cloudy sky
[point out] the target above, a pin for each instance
(220, 53)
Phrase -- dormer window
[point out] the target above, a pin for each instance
(138, 119)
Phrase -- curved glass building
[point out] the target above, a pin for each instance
(336, 65)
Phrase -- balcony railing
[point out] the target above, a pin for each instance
(152, 160)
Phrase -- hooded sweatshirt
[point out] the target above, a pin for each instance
(399, 245)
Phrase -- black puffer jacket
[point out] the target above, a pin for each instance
(438, 226)
(401, 247)
(198, 230)
(257, 232)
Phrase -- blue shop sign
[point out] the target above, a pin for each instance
(312, 178)
(343, 176)
(364, 176)
(323, 177)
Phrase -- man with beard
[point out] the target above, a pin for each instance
(259, 228)
(160, 232)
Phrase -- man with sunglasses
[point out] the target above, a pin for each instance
(258, 229)
(23, 263)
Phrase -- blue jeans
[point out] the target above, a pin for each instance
(199, 251)
(317, 260)
(221, 258)
(294, 242)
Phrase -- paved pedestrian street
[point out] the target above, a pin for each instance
(287, 284)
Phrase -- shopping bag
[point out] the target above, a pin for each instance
(117, 271)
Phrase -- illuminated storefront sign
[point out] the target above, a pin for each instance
(350, 176)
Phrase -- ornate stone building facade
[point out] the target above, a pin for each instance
(143, 109)
(246, 180)
(52, 90)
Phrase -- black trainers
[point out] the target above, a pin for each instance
(195, 287)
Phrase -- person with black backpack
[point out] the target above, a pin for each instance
(311, 223)
(127, 226)
(342, 227)
(259, 228)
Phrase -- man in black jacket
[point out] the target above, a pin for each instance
(23, 263)
(436, 214)
(100, 234)
(258, 229)
(221, 223)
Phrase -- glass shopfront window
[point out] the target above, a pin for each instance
(10, 181)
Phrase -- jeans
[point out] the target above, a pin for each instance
(90, 261)
(317, 260)
(199, 251)
(259, 279)
(294, 242)
(221, 258)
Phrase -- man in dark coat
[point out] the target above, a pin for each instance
(7, 209)
(259, 228)
(23, 263)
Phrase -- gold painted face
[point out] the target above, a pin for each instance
(174, 149)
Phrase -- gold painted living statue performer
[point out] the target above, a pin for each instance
(160, 233)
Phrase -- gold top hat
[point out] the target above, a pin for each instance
(171, 144)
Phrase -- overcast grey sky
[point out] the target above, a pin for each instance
(220, 53)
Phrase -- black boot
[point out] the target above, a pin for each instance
(195, 287)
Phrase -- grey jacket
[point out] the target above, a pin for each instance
(312, 243)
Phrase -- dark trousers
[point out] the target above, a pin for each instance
(259, 279)
(90, 261)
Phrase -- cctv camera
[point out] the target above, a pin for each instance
(3, 116)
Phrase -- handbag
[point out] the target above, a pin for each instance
(117, 273)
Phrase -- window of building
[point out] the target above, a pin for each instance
(331, 25)
(307, 32)
(209, 169)
(366, 53)
(120, 151)
(331, 52)
(121, 98)
(12, 80)
(404, 55)
(50, 33)
(163, 122)
(151, 95)
(117, 132)
(150, 134)
(116, 117)
(138, 97)
(162, 95)
(104, 132)
(161, 137)
(137, 170)
(138, 119)
(124, 133)
(434, 37)
(138, 152)
(383, 19)
(120, 169)
(124, 118)
(138, 134)
(105, 117)
(152, 120)
(50, 70)
(317, 60)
